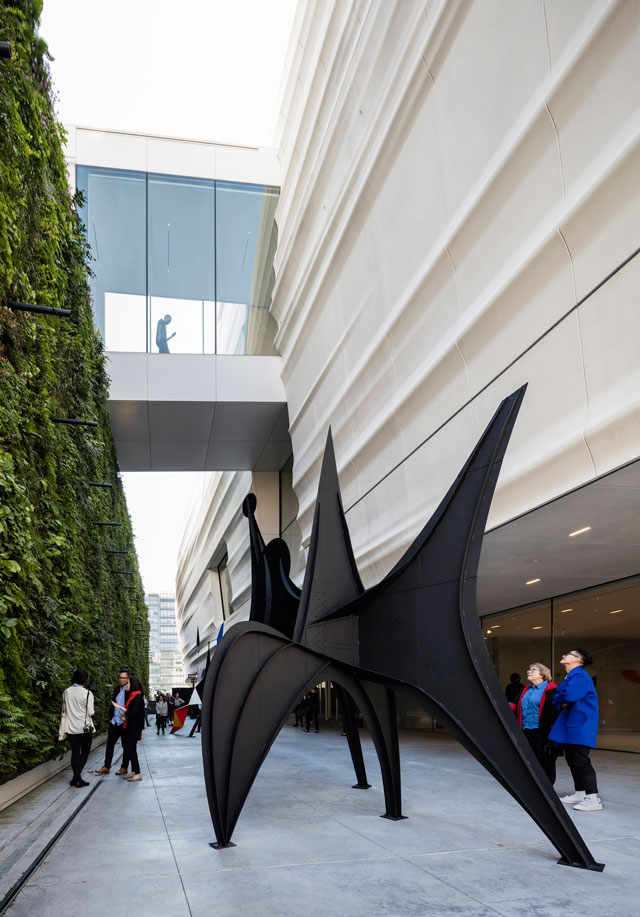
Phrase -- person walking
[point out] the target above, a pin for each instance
(133, 725)
(116, 719)
(536, 715)
(161, 713)
(576, 728)
(76, 724)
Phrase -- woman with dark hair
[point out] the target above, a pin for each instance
(133, 726)
(76, 724)
(577, 727)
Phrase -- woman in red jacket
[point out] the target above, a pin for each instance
(536, 715)
(133, 726)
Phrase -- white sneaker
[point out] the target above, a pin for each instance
(590, 803)
(578, 796)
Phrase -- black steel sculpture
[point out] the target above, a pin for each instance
(416, 632)
(275, 600)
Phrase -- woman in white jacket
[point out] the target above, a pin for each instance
(76, 724)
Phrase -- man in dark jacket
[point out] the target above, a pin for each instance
(115, 721)
(313, 709)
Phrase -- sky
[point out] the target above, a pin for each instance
(198, 69)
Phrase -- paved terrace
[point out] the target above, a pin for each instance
(308, 844)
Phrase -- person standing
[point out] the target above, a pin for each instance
(313, 709)
(116, 719)
(161, 713)
(576, 728)
(132, 727)
(536, 715)
(76, 724)
(514, 689)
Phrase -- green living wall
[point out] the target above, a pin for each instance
(62, 605)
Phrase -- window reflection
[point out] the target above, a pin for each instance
(515, 639)
(246, 239)
(606, 622)
(115, 216)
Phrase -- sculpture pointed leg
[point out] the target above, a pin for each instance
(352, 732)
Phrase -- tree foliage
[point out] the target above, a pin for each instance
(62, 606)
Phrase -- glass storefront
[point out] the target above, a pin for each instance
(606, 622)
(181, 265)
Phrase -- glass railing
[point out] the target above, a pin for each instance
(180, 265)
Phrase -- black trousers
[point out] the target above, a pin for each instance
(537, 742)
(130, 744)
(582, 771)
(115, 733)
(80, 748)
(312, 715)
(161, 722)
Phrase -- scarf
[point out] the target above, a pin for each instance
(126, 706)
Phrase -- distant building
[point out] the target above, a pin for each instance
(166, 668)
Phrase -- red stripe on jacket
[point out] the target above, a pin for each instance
(550, 684)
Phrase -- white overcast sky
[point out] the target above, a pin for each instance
(200, 69)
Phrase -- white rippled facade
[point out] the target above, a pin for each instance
(459, 215)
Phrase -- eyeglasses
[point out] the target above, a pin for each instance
(531, 670)
(577, 655)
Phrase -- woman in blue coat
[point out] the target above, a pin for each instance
(577, 727)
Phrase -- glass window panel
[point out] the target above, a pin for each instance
(125, 322)
(246, 239)
(517, 638)
(181, 237)
(605, 621)
(181, 262)
(115, 221)
(180, 325)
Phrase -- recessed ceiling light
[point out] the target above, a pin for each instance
(587, 528)
(495, 626)
(488, 631)
(530, 582)
(565, 610)
(616, 612)
(538, 627)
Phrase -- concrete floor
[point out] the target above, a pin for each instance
(308, 844)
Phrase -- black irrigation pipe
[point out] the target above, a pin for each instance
(124, 572)
(106, 523)
(15, 890)
(41, 310)
(5, 49)
(114, 551)
(96, 484)
(74, 421)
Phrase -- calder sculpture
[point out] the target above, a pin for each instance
(416, 632)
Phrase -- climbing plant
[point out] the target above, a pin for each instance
(62, 605)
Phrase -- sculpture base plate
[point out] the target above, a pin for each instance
(595, 867)
(361, 786)
(395, 817)
(217, 846)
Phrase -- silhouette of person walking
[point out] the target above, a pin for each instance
(162, 341)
